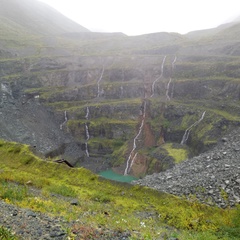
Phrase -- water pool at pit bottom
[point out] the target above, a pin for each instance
(110, 174)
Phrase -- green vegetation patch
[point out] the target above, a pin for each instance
(178, 154)
(6, 234)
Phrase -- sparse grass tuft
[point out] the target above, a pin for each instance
(62, 189)
(12, 192)
(6, 234)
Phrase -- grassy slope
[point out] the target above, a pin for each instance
(127, 206)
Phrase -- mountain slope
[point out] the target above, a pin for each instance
(34, 17)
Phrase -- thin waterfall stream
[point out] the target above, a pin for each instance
(65, 120)
(167, 90)
(98, 83)
(173, 63)
(87, 113)
(87, 132)
(154, 82)
(133, 160)
(170, 81)
(187, 132)
(128, 166)
(87, 138)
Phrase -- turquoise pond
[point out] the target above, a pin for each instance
(109, 174)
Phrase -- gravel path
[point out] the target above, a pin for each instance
(212, 177)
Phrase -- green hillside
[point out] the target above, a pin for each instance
(145, 213)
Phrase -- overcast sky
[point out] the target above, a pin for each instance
(135, 17)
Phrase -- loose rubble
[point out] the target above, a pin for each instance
(29, 225)
(212, 177)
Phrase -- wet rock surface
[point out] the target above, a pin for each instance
(212, 177)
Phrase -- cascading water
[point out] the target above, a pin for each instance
(167, 90)
(65, 120)
(168, 85)
(153, 84)
(133, 160)
(132, 156)
(87, 138)
(87, 132)
(173, 63)
(187, 132)
(127, 169)
(98, 83)
(172, 90)
(87, 113)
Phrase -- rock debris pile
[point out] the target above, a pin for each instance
(212, 177)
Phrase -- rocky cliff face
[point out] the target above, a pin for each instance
(108, 100)
(114, 96)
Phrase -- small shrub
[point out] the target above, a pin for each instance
(234, 230)
(62, 190)
(5, 234)
(101, 197)
(17, 149)
(13, 192)
(85, 232)
(27, 159)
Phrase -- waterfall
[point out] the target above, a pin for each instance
(132, 162)
(87, 113)
(86, 146)
(168, 86)
(87, 138)
(187, 132)
(174, 61)
(135, 139)
(172, 90)
(65, 120)
(167, 90)
(98, 83)
(153, 84)
(87, 131)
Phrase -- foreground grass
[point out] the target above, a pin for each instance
(146, 213)
(5, 234)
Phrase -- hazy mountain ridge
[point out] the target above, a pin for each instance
(36, 17)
